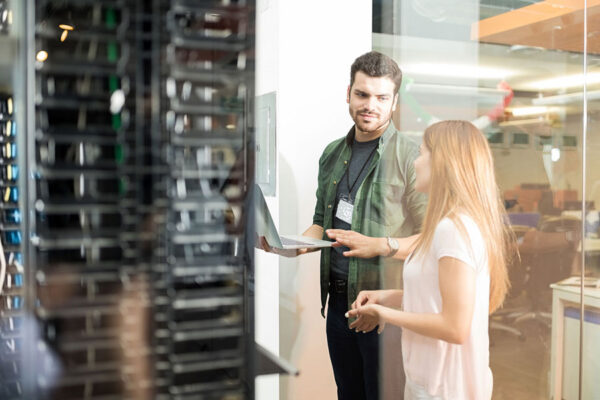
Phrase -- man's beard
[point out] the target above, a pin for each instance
(368, 127)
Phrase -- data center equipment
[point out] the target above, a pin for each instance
(126, 139)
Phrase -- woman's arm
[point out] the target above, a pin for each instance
(367, 247)
(453, 324)
(388, 298)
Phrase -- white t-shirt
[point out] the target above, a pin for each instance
(450, 371)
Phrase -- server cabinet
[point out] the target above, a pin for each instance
(125, 164)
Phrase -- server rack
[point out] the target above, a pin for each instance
(13, 218)
(207, 87)
(126, 219)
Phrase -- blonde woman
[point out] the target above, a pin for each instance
(455, 274)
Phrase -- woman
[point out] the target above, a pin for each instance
(454, 277)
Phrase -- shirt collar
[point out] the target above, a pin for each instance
(389, 131)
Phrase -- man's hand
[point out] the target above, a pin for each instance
(360, 245)
(262, 244)
(314, 231)
(367, 318)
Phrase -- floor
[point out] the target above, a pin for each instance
(521, 368)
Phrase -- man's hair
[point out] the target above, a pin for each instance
(376, 65)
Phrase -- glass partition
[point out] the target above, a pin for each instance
(516, 70)
(589, 350)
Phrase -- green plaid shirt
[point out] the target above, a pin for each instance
(386, 204)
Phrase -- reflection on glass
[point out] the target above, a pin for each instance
(589, 320)
(480, 62)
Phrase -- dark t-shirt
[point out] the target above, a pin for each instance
(362, 153)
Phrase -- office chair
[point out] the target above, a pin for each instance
(518, 274)
(545, 267)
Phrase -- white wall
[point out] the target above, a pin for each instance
(304, 52)
(267, 269)
(319, 41)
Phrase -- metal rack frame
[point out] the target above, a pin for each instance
(137, 266)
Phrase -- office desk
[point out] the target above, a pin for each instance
(565, 343)
(591, 245)
(592, 255)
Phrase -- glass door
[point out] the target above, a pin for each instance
(516, 70)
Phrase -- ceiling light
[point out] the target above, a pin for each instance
(520, 122)
(565, 82)
(117, 101)
(523, 111)
(566, 98)
(66, 29)
(455, 89)
(41, 56)
(457, 70)
(212, 17)
(6, 17)
(520, 47)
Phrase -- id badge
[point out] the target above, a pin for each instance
(344, 210)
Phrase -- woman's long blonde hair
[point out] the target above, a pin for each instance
(463, 182)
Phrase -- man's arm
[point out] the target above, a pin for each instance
(415, 202)
(314, 231)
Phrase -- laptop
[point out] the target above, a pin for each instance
(265, 227)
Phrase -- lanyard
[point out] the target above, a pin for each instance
(359, 173)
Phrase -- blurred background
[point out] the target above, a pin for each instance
(132, 133)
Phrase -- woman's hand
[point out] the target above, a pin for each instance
(366, 297)
(367, 318)
(391, 298)
(360, 245)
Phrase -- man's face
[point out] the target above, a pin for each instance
(371, 100)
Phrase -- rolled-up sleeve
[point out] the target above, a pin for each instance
(319, 208)
(415, 202)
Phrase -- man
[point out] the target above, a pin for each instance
(366, 184)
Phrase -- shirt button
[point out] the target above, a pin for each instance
(334, 182)
(345, 162)
(329, 206)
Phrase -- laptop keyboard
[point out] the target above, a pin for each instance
(291, 242)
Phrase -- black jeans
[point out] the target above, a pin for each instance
(354, 356)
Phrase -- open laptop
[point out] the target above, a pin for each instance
(265, 227)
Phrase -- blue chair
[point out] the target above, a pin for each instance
(529, 219)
